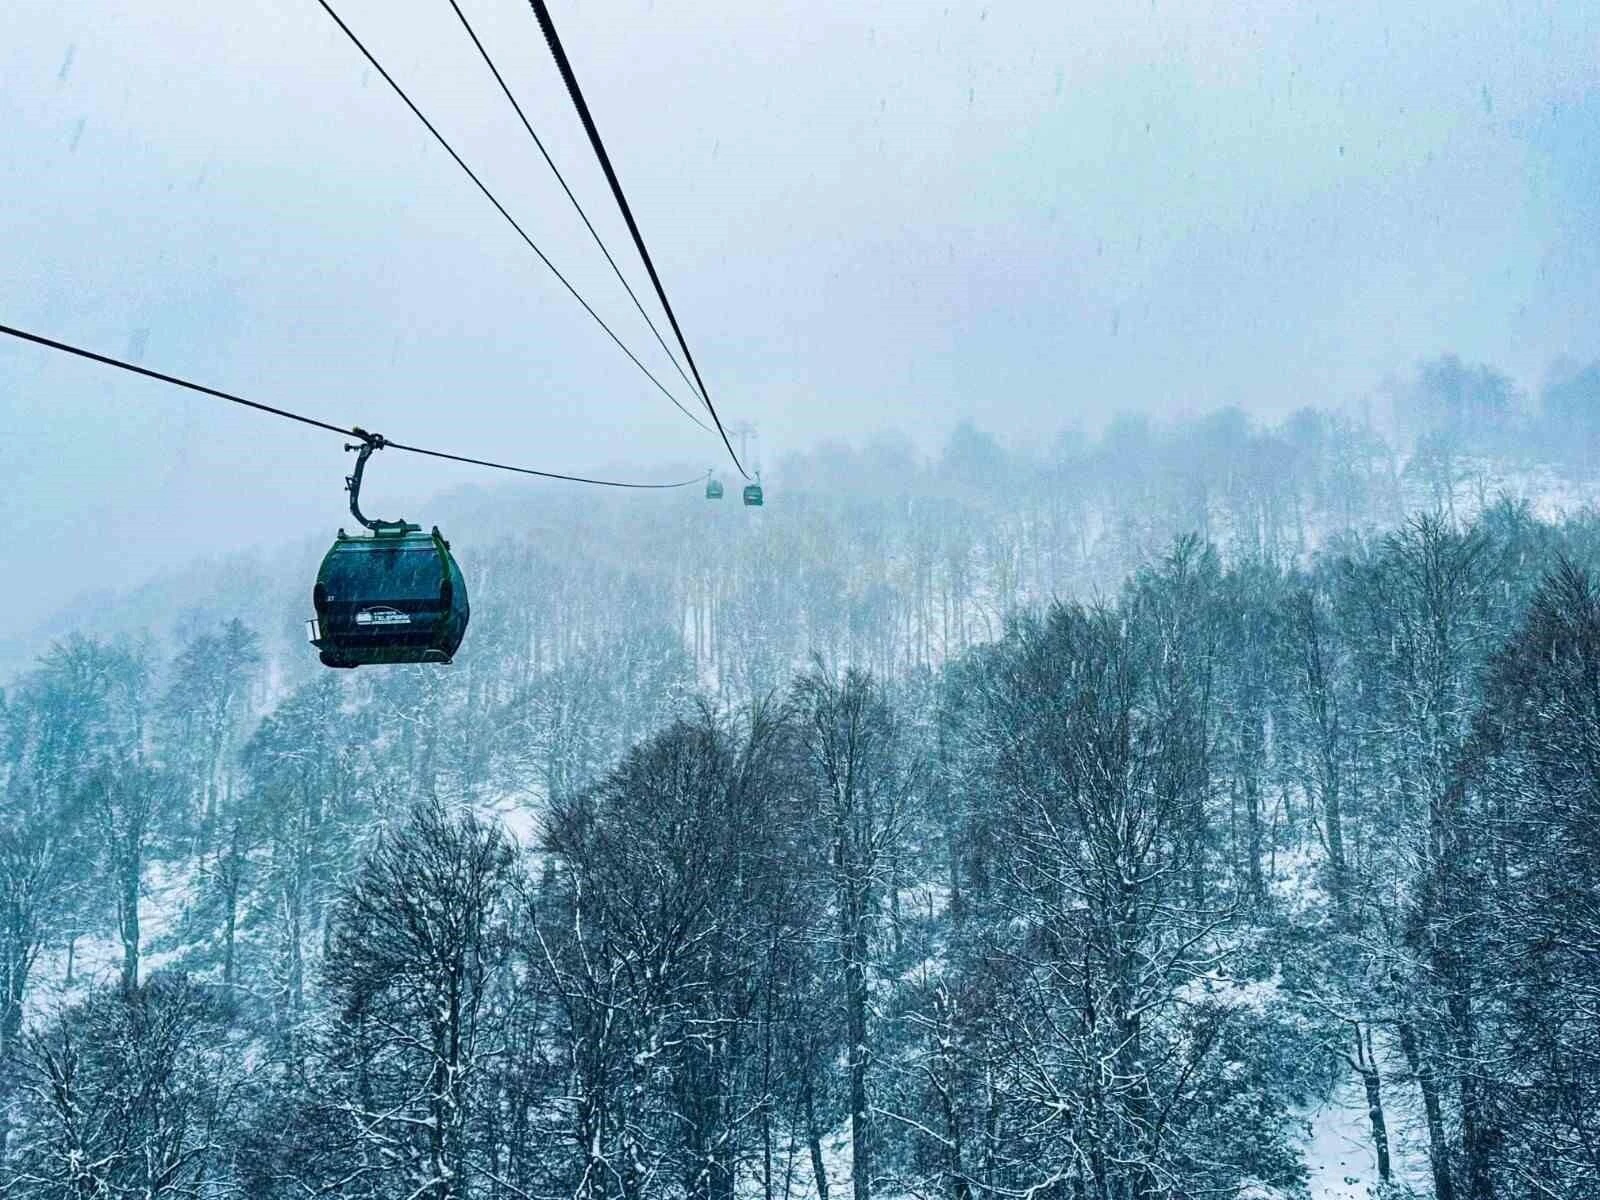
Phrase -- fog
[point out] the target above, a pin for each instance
(884, 217)
(1143, 746)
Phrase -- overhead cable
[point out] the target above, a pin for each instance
(501, 209)
(106, 360)
(561, 179)
(346, 431)
(554, 41)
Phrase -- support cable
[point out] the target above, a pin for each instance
(345, 431)
(500, 208)
(554, 41)
(561, 179)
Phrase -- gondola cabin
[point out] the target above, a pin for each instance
(752, 495)
(395, 595)
(713, 489)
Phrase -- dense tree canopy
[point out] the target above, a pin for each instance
(851, 854)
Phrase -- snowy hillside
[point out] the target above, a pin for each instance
(1264, 876)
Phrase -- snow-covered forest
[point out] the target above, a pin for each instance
(1199, 810)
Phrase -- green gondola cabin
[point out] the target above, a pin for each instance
(393, 596)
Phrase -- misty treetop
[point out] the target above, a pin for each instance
(641, 899)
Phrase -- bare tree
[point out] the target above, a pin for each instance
(418, 937)
(861, 784)
(130, 1094)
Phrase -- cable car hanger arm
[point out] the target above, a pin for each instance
(352, 482)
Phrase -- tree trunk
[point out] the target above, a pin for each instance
(1366, 1063)
(1438, 1146)
(856, 1023)
(819, 1169)
(128, 920)
(10, 1027)
(230, 895)
(1252, 814)
(1477, 1136)
(1334, 821)
(955, 1166)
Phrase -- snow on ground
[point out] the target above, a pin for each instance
(97, 956)
(1339, 1155)
(1238, 995)
(519, 813)
(1293, 878)
(792, 1176)
(1552, 492)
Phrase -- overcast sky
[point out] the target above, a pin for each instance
(870, 216)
